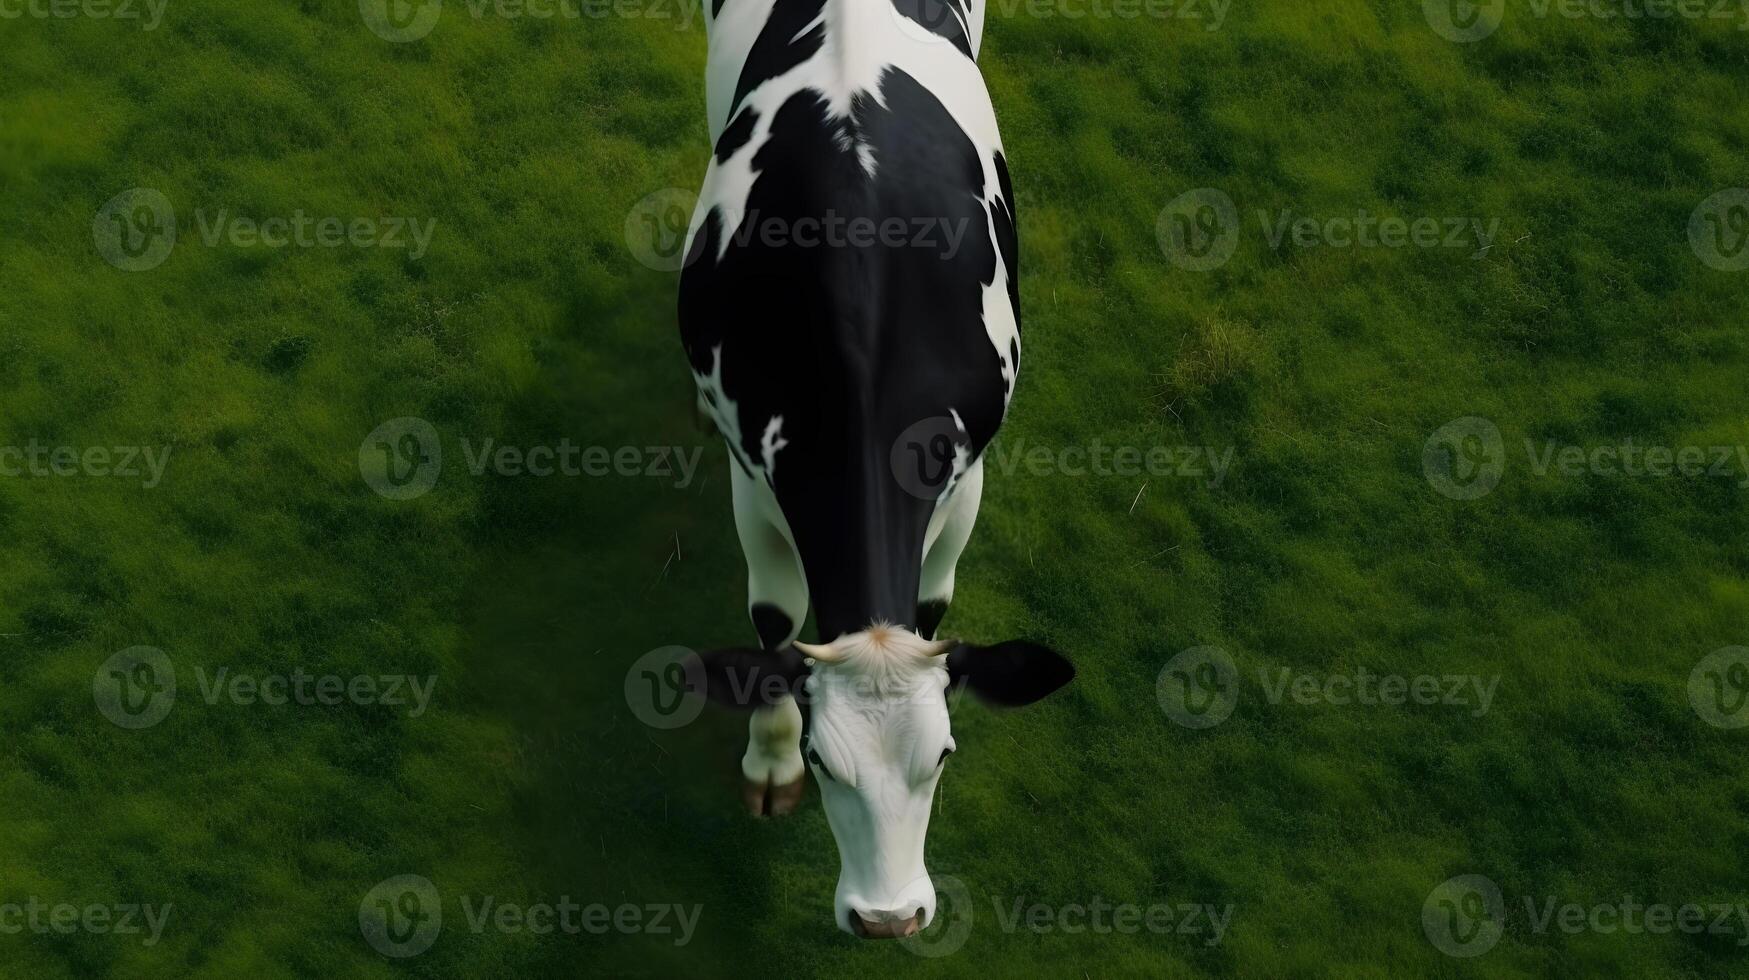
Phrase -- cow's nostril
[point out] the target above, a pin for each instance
(887, 928)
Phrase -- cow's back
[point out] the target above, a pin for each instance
(850, 278)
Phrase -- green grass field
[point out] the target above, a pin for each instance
(1588, 596)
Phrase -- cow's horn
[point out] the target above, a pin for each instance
(824, 654)
(939, 647)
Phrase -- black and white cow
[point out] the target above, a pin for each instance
(850, 309)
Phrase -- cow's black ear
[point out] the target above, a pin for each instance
(1009, 674)
(745, 678)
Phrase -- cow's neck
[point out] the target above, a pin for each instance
(860, 536)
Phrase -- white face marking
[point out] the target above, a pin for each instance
(877, 743)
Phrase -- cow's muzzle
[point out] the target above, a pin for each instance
(881, 925)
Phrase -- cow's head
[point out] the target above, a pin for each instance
(878, 740)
